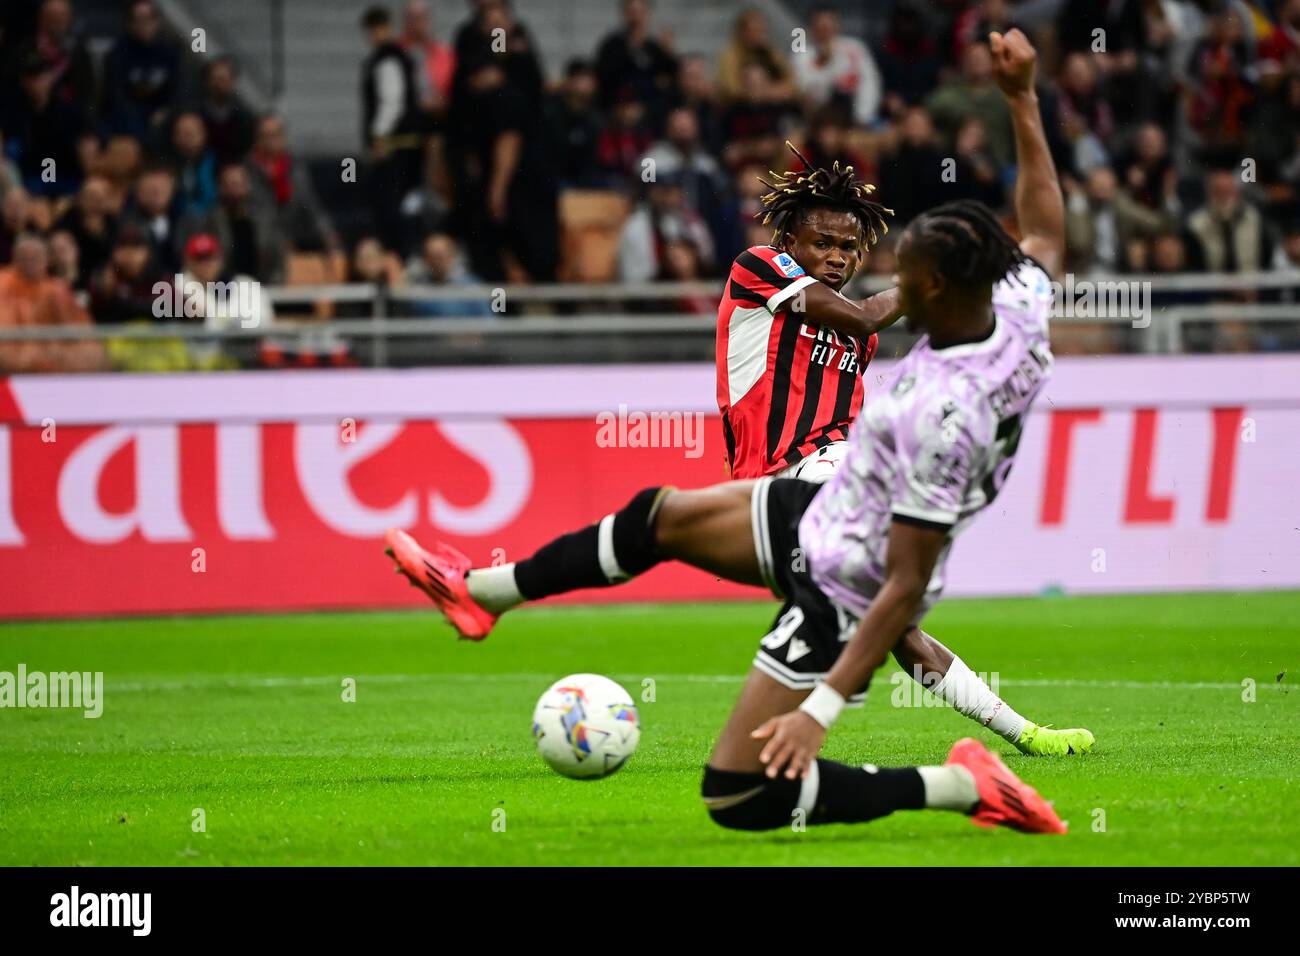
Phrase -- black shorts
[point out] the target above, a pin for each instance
(810, 630)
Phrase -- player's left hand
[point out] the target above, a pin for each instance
(793, 742)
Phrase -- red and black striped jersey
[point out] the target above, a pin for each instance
(785, 388)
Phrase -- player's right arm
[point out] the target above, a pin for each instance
(824, 306)
(1040, 210)
(762, 274)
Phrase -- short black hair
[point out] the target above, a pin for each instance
(376, 17)
(967, 242)
(795, 194)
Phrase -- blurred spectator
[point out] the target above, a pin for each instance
(15, 218)
(91, 223)
(661, 219)
(153, 207)
(228, 119)
(749, 229)
(976, 22)
(681, 155)
(1084, 113)
(1230, 234)
(1285, 191)
(440, 263)
(838, 70)
(248, 230)
(574, 127)
(974, 93)
(913, 171)
(65, 260)
(1280, 50)
(195, 165)
(1222, 87)
(475, 44)
(508, 192)
(830, 139)
(1119, 20)
(1275, 141)
(391, 122)
(1146, 171)
(695, 90)
(682, 264)
(622, 142)
(280, 183)
(63, 55)
(975, 171)
(43, 134)
(120, 164)
(755, 125)
(368, 264)
(30, 297)
(124, 290)
(751, 47)
(1286, 261)
(434, 62)
(1114, 50)
(1158, 81)
(631, 61)
(141, 74)
(221, 298)
(1101, 221)
(909, 59)
(11, 176)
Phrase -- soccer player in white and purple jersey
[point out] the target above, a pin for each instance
(861, 559)
(935, 446)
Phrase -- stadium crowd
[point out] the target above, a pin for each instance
(1176, 124)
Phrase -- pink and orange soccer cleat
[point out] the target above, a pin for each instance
(441, 575)
(1005, 799)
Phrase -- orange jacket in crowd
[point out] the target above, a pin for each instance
(24, 302)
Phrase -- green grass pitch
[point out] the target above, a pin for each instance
(243, 717)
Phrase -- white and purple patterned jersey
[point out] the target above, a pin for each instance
(933, 445)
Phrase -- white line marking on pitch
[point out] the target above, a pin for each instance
(238, 682)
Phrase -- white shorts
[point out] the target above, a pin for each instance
(819, 466)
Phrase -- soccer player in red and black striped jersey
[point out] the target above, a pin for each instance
(791, 348)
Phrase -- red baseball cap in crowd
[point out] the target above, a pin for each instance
(201, 246)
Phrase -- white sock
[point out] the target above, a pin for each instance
(494, 588)
(949, 788)
(966, 692)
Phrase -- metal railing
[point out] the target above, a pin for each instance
(1210, 282)
(606, 334)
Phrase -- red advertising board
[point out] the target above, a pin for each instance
(271, 490)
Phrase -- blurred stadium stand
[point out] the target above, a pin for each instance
(403, 264)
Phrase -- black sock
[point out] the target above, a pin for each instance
(579, 560)
(851, 795)
(750, 801)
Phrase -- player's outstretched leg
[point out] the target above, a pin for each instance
(740, 796)
(708, 528)
(946, 675)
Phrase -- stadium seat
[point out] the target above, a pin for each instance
(590, 221)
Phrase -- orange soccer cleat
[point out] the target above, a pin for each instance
(1005, 799)
(441, 575)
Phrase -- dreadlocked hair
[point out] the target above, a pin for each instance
(967, 242)
(795, 193)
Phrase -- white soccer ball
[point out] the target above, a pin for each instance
(586, 726)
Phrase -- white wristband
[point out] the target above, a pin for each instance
(823, 704)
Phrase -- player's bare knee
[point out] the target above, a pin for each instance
(677, 515)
